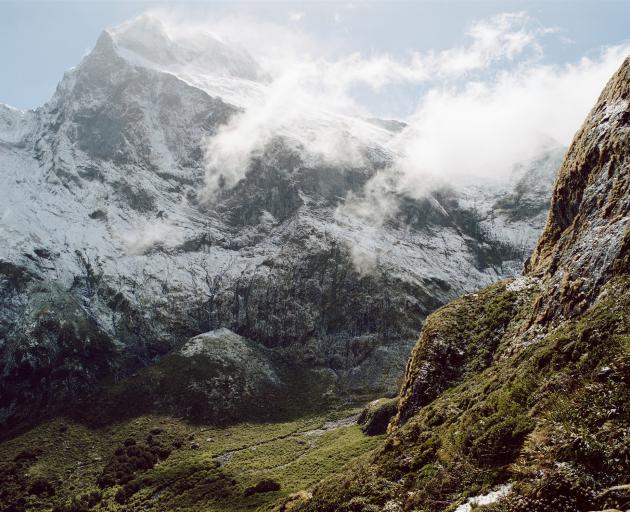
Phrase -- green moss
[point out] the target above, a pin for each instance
(550, 415)
(501, 438)
(458, 341)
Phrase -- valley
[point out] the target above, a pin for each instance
(199, 467)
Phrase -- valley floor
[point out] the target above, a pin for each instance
(162, 463)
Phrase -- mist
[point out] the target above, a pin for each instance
(477, 108)
(480, 109)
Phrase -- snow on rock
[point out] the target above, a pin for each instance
(102, 204)
(521, 283)
(485, 499)
(145, 40)
(203, 343)
(228, 348)
(15, 124)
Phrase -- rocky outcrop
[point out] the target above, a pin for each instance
(375, 418)
(586, 242)
(457, 341)
(216, 377)
(587, 237)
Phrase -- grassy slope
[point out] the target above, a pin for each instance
(551, 415)
(73, 457)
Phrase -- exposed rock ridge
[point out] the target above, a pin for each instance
(456, 341)
(587, 239)
(585, 242)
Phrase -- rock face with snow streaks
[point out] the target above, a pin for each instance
(587, 237)
(113, 253)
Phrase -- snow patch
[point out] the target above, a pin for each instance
(521, 283)
(204, 343)
(485, 499)
(227, 348)
(616, 108)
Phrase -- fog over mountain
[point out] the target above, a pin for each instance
(173, 186)
(213, 254)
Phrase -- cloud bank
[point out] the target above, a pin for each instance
(481, 129)
(144, 237)
(481, 107)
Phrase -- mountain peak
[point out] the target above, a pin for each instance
(151, 42)
(146, 37)
(104, 43)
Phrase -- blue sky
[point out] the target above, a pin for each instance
(39, 40)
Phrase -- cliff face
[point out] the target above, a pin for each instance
(519, 392)
(586, 239)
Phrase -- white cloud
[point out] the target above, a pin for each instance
(485, 105)
(296, 16)
(501, 38)
(289, 108)
(307, 93)
(151, 233)
(481, 129)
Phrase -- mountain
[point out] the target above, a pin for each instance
(115, 253)
(516, 397)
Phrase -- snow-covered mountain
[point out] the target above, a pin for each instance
(112, 252)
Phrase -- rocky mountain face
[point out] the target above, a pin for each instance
(586, 239)
(112, 253)
(517, 397)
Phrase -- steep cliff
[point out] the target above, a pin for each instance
(520, 393)
(586, 240)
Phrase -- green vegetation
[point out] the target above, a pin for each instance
(546, 411)
(263, 486)
(550, 414)
(457, 341)
(212, 386)
(158, 463)
(130, 459)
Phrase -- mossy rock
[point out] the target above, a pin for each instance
(549, 414)
(375, 418)
(219, 378)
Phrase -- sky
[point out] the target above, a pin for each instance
(39, 40)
